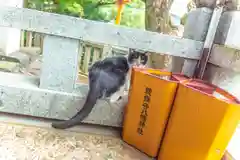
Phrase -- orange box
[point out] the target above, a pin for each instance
(150, 101)
(202, 122)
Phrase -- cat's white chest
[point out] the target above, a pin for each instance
(123, 90)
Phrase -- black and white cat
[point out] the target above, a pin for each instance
(107, 78)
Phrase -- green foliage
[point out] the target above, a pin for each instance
(70, 7)
(99, 10)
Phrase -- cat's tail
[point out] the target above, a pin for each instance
(83, 113)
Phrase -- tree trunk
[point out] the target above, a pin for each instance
(157, 20)
(157, 15)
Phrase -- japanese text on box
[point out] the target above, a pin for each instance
(144, 114)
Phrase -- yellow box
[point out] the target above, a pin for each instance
(149, 104)
(202, 122)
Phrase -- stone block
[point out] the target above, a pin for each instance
(59, 68)
(228, 29)
(20, 95)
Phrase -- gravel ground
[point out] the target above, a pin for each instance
(18, 142)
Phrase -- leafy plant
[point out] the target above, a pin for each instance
(99, 10)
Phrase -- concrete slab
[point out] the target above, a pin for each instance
(98, 32)
(20, 95)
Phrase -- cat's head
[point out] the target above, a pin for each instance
(137, 58)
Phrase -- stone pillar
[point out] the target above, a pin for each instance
(196, 28)
(10, 37)
(227, 36)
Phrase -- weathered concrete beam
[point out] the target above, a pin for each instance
(228, 30)
(225, 57)
(222, 56)
(201, 17)
(197, 23)
(98, 32)
(20, 95)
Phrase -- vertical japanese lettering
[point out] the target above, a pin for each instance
(144, 114)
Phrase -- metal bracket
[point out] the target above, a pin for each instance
(206, 52)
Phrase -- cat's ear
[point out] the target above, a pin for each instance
(130, 55)
(144, 58)
(133, 53)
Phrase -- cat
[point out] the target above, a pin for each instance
(138, 59)
(107, 78)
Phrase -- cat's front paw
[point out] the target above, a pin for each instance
(119, 98)
(115, 99)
